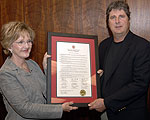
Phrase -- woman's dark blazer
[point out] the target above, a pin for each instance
(125, 88)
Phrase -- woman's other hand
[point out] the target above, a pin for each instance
(46, 56)
(100, 72)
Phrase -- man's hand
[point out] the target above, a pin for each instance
(98, 105)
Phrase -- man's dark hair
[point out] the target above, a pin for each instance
(118, 5)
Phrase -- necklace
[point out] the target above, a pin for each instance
(25, 67)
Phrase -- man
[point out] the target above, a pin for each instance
(125, 61)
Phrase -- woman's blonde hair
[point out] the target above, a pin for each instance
(11, 31)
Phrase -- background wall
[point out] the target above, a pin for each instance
(68, 16)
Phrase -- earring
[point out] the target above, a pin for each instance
(10, 50)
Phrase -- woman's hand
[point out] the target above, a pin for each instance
(46, 56)
(67, 108)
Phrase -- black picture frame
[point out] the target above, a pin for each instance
(92, 40)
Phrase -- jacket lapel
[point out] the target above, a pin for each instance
(121, 54)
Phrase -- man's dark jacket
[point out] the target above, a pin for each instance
(125, 88)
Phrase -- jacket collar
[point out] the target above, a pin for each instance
(127, 42)
(9, 65)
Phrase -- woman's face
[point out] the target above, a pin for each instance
(21, 48)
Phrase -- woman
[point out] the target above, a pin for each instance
(22, 82)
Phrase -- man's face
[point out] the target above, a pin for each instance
(118, 22)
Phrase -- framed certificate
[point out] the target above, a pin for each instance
(72, 69)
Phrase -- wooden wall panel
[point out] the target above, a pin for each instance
(140, 17)
(34, 17)
(140, 22)
(10, 11)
